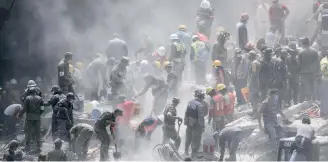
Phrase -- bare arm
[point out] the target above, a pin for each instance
(259, 113)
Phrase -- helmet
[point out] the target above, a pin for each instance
(174, 37)
(217, 63)
(144, 62)
(209, 89)
(220, 29)
(55, 88)
(244, 16)
(38, 79)
(13, 144)
(71, 68)
(238, 51)
(219, 87)
(70, 95)
(199, 94)
(13, 81)
(125, 60)
(252, 53)
(205, 4)
(167, 63)
(68, 55)
(58, 142)
(161, 118)
(79, 65)
(250, 45)
(175, 100)
(161, 51)
(194, 37)
(31, 83)
(32, 90)
(182, 27)
(157, 64)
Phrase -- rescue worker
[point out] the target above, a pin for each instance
(196, 110)
(26, 92)
(293, 66)
(324, 86)
(219, 51)
(172, 80)
(216, 111)
(229, 109)
(64, 116)
(127, 107)
(170, 116)
(177, 57)
(277, 16)
(253, 82)
(65, 79)
(116, 48)
(218, 72)
(309, 70)
(199, 54)
(205, 17)
(10, 119)
(117, 77)
(106, 119)
(80, 137)
(303, 141)
(239, 73)
(11, 155)
(231, 137)
(97, 71)
(160, 55)
(55, 98)
(242, 33)
(269, 110)
(266, 73)
(281, 76)
(262, 23)
(33, 107)
(159, 91)
(57, 154)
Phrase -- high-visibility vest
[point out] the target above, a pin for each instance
(324, 68)
(219, 105)
(231, 106)
(200, 50)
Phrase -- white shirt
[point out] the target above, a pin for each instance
(12, 109)
(270, 39)
(262, 12)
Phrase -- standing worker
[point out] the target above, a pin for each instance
(26, 92)
(242, 36)
(117, 78)
(172, 80)
(117, 48)
(205, 17)
(199, 54)
(170, 116)
(277, 15)
(239, 73)
(65, 79)
(106, 119)
(177, 57)
(309, 70)
(80, 138)
(33, 107)
(253, 82)
(281, 75)
(262, 22)
(216, 111)
(194, 120)
(293, 66)
(324, 86)
(219, 51)
(64, 116)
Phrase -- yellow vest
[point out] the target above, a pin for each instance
(324, 68)
(197, 46)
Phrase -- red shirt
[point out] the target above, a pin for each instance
(128, 110)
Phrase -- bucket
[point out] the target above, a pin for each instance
(245, 92)
(89, 106)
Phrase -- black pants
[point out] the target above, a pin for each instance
(293, 89)
(239, 84)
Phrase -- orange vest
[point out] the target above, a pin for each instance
(231, 107)
(219, 105)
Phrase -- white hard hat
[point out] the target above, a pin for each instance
(174, 37)
(161, 118)
(161, 51)
(144, 62)
(38, 79)
(31, 83)
(195, 37)
(13, 81)
(205, 4)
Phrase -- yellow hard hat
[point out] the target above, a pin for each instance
(71, 68)
(167, 63)
(158, 64)
(219, 87)
(209, 89)
(79, 65)
(182, 27)
(219, 29)
(217, 63)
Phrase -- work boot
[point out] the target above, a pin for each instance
(193, 152)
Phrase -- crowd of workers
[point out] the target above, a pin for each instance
(272, 74)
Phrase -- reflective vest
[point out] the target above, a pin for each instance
(231, 106)
(180, 51)
(200, 50)
(219, 106)
(324, 68)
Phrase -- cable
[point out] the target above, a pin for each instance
(7, 16)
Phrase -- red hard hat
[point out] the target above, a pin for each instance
(244, 16)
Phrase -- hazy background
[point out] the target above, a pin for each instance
(39, 32)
